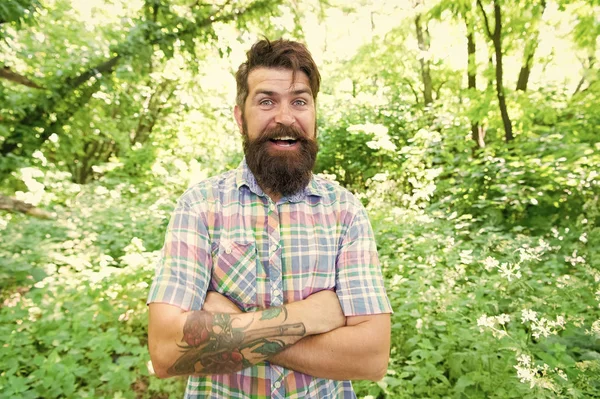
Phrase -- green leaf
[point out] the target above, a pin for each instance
(269, 348)
(548, 358)
(272, 313)
(463, 382)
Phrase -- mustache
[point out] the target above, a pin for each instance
(282, 130)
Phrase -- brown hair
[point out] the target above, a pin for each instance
(283, 54)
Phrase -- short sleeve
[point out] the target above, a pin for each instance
(359, 282)
(184, 268)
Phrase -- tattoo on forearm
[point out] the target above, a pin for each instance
(211, 345)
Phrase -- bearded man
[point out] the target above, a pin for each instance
(269, 284)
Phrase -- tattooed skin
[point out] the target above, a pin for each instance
(211, 345)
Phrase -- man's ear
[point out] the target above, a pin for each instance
(237, 113)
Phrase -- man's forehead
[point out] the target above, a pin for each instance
(261, 79)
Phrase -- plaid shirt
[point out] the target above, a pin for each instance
(226, 235)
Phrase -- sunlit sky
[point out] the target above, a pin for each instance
(340, 34)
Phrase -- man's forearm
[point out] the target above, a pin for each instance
(354, 352)
(221, 343)
(202, 343)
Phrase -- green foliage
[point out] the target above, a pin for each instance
(24, 250)
(81, 334)
(98, 93)
(491, 255)
(16, 12)
(446, 271)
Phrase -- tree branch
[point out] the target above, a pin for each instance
(14, 205)
(485, 19)
(439, 88)
(408, 82)
(38, 116)
(8, 74)
(105, 67)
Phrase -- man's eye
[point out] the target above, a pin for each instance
(266, 102)
(300, 102)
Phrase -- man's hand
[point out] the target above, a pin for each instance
(219, 303)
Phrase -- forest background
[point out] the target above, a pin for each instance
(469, 129)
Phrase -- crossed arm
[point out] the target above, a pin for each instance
(311, 336)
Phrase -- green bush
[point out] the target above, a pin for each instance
(82, 334)
(459, 289)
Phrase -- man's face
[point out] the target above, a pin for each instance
(279, 128)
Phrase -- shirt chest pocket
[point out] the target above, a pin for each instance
(234, 272)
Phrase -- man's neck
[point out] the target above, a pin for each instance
(275, 197)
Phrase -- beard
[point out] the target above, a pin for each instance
(281, 172)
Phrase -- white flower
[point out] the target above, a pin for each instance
(526, 375)
(524, 360)
(485, 321)
(490, 263)
(543, 246)
(490, 322)
(466, 257)
(583, 238)
(574, 259)
(503, 319)
(547, 327)
(134, 260)
(527, 254)
(540, 328)
(563, 281)
(499, 333)
(101, 190)
(510, 271)
(595, 330)
(528, 315)
(34, 313)
(533, 375)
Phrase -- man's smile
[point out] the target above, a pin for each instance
(284, 142)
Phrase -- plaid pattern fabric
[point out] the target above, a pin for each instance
(226, 235)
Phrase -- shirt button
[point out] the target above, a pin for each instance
(276, 293)
(277, 385)
(228, 250)
(272, 206)
(273, 248)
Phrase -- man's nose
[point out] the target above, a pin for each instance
(284, 115)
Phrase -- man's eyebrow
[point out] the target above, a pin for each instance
(265, 92)
(271, 93)
(301, 91)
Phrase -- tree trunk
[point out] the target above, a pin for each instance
(496, 37)
(423, 41)
(529, 52)
(471, 64)
(525, 71)
(508, 134)
(477, 134)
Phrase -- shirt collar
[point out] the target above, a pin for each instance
(245, 177)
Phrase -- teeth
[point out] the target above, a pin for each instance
(285, 138)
